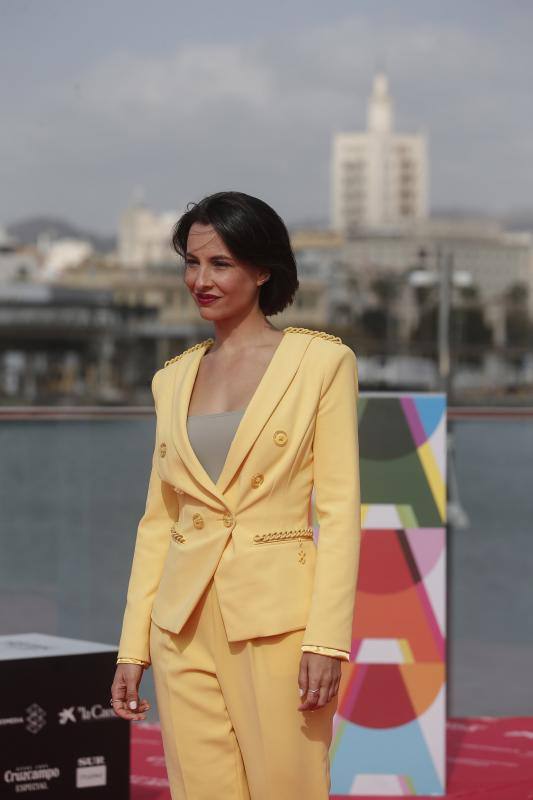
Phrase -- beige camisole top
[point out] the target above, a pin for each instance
(210, 436)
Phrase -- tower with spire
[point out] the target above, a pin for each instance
(379, 178)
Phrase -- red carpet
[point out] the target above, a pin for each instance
(487, 757)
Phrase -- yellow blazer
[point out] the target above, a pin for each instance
(298, 431)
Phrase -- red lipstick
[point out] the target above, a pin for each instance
(206, 299)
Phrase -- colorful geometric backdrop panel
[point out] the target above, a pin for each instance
(389, 730)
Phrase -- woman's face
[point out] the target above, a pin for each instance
(210, 269)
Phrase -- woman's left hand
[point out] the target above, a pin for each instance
(320, 672)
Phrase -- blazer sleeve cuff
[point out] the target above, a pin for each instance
(326, 651)
(133, 661)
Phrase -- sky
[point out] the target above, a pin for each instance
(108, 100)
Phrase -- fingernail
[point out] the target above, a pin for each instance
(301, 691)
(132, 704)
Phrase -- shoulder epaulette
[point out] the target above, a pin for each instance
(291, 329)
(322, 334)
(196, 346)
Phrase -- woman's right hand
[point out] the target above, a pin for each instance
(125, 690)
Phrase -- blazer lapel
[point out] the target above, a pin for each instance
(273, 385)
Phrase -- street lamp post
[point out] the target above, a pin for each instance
(444, 277)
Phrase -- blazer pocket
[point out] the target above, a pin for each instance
(266, 590)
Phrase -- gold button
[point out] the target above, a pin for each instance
(280, 437)
(257, 480)
(228, 520)
(162, 449)
(197, 520)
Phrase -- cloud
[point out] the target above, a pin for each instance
(260, 115)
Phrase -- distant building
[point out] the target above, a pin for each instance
(18, 263)
(495, 259)
(61, 254)
(325, 295)
(64, 341)
(378, 177)
(144, 237)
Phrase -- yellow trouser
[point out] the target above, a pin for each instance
(229, 715)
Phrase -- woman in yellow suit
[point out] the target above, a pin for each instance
(244, 619)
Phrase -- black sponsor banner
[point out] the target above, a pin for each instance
(58, 732)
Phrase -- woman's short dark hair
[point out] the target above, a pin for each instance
(253, 233)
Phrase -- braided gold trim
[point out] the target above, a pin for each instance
(322, 334)
(204, 343)
(176, 535)
(276, 536)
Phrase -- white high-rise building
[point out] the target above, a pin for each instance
(379, 178)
